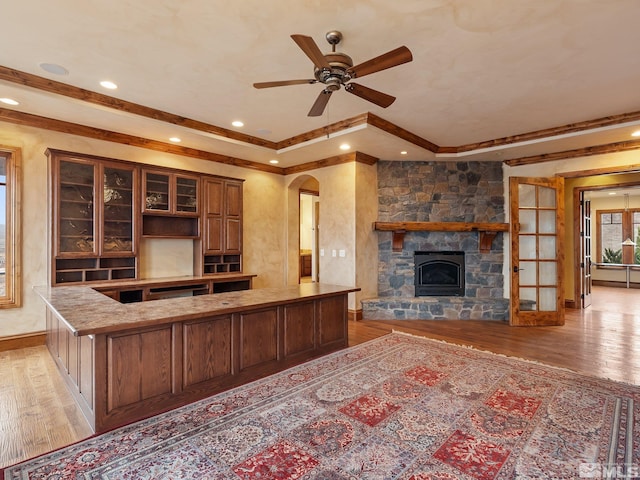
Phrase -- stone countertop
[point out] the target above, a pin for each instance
(88, 312)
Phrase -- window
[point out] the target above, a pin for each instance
(614, 227)
(10, 241)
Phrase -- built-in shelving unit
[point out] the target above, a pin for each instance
(487, 231)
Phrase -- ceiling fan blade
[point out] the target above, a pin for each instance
(311, 49)
(374, 96)
(321, 102)
(387, 60)
(283, 83)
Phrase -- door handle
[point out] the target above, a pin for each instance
(516, 269)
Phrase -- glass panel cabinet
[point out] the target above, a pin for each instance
(170, 193)
(93, 218)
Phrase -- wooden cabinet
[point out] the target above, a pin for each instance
(170, 193)
(170, 204)
(93, 218)
(222, 218)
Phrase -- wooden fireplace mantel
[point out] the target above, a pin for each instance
(486, 230)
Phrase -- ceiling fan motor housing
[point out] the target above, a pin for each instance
(337, 75)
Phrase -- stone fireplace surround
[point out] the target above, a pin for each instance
(439, 192)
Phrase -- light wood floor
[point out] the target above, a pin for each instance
(37, 413)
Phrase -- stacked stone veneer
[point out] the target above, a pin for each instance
(439, 192)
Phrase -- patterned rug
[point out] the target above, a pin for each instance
(399, 407)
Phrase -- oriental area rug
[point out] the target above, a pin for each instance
(398, 407)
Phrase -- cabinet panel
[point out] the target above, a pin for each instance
(207, 350)
(258, 337)
(139, 367)
(299, 328)
(213, 236)
(233, 237)
(186, 194)
(214, 191)
(332, 315)
(234, 199)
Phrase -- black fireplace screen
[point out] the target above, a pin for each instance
(439, 273)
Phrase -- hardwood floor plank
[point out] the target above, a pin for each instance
(38, 414)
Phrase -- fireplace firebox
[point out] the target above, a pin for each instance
(439, 273)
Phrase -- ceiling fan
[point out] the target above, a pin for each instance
(336, 69)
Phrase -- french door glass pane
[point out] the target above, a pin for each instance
(547, 299)
(527, 221)
(526, 195)
(528, 273)
(546, 197)
(548, 273)
(527, 247)
(547, 221)
(547, 247)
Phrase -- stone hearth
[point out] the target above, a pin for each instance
(439, 192)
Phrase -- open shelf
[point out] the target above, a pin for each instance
(94, 269)
(222, 264)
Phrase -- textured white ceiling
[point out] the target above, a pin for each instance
(482, 69)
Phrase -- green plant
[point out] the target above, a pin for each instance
(612, 256)
(636, 250)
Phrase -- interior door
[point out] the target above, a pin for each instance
(537, 229)
(585, 257)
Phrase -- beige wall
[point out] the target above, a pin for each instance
(264, 222)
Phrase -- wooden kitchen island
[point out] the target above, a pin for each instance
(127, 361)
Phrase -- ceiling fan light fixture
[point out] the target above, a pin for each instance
(336, 70)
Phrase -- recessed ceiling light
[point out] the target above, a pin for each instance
(403, 152)
(108, 84)
(612, 193)
(274, 161)
(54, 68)
(345, 146)
(9, 101)
(175, 139)
(237, 123)
(636, 133)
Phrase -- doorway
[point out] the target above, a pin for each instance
(308, 249)
(607, 237)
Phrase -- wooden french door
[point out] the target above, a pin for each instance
(585, 251)
(537, 231)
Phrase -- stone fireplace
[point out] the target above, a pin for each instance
(439, 192)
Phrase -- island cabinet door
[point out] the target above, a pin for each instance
(332, 323)
(258, 338)
(206, 353)
(139, 368)
(299, 328)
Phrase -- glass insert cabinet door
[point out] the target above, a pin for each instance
(117, 210)
(186, 195)
(168, 193)
(537, 232)
(156, 192)
(76, 228)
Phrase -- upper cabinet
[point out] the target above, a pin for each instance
(170, 193)
(93, 218)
